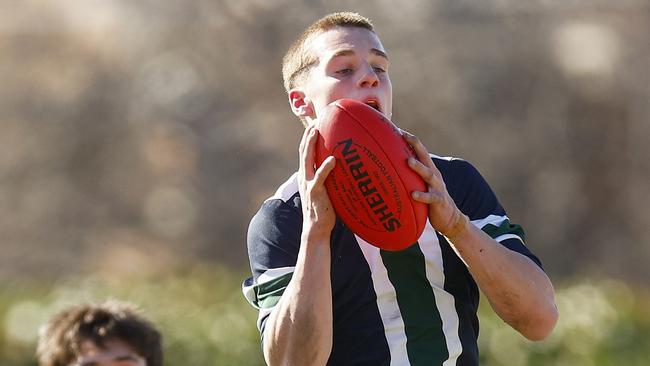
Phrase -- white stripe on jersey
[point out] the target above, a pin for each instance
(287, 189)
(490, 220)
(445, 302)
(387, 304)
(263, 313)
(508, 236)
(248, 287)
(496, 221)
(273, 273)
(448, 158)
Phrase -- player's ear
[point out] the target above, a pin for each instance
(301, 105)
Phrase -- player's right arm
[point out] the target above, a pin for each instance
(299, 329)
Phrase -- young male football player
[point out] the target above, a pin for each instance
(107, 334)
(325, 296)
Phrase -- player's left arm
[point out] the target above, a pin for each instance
(517, 288)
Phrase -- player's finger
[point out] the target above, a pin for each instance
(431, 176)
(419, 148)
(303, 140)
(324, 170)
(301, 150)
(309, 153)
(430, 197)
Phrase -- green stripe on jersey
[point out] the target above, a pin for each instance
(266, 295)
(425, 340)
(505, 227)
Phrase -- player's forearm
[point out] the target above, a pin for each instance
(299, 331)
(518, 290)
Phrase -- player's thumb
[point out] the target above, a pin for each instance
(324, 169)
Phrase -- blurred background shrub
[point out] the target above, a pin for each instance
(205, 320)
(200, 312)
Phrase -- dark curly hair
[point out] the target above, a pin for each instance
(61, 338)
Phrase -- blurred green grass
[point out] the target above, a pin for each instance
(206, 321)
(602, 323)
(201, 312)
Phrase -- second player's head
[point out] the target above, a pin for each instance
(338, 56)
(110, 333)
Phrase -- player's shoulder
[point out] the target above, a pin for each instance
(463, 180)
(278, 220)
(452, 167)
(287, 190)
(284, 202)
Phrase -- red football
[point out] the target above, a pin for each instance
(371, 184)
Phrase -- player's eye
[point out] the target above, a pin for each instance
(344, 71)
(379, 69)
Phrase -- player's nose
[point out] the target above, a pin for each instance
(368, 77)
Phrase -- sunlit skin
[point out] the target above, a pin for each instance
(352, 63)
(112, 353)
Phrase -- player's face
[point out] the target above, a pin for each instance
(113, 353)
(352, 63)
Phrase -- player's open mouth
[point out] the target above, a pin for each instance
(373, 103)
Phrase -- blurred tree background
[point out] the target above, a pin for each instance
(137, 138)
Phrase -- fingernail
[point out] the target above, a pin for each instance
(415, 194)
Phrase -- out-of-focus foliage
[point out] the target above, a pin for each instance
(201, 312)
(602, 323)
(205, 321)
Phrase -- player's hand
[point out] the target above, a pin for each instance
(317, 210)
(444, 215)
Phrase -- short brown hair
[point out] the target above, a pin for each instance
(298, 60)
(61, 338)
